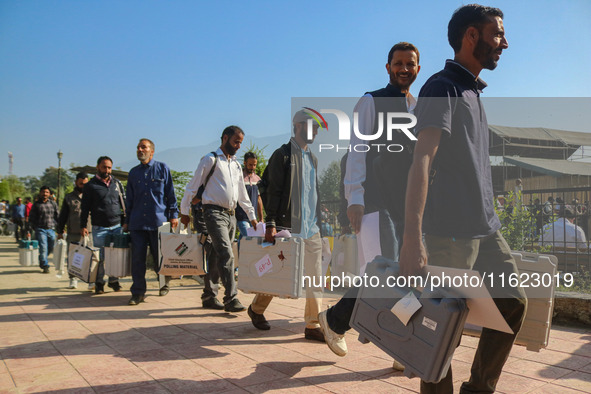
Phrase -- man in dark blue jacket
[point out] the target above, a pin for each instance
(103, 198)
(150, 202)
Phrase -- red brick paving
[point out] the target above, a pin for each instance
(60, 341)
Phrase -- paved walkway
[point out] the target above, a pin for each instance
(57, 340)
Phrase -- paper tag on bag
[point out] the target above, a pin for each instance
(406, 307)
(264, 265)
(78, 260)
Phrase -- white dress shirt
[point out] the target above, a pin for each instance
(355, 169)
(563, 234)
(225, 188)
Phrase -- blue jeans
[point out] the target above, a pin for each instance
(221, 228)
(98, 239)
(243, 225)
(46, 239)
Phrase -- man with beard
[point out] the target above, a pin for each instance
(364, 184)
(250, 181)
(450, 195)
(70, 216)
(150, 202)
(221, 175)
(293, 204)
(43, 218)
(103, 198)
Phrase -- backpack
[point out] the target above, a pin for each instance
(196, 206)
(197, 199)
(263, 184)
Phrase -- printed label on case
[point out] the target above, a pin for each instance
(429, 323)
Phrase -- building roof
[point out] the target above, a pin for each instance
(551, 167)
(536, 142)
(121, 175)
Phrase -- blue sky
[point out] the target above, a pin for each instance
(92, 77)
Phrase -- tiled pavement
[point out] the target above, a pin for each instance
(57, 340)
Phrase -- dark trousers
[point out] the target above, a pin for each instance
(339, 315)
(19, 228)
(141, 240)
(221, 227)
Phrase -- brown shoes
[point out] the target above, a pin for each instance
(314, 334)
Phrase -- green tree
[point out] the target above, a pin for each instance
(329, 182)
(518, 223)
(261, 159)
(4, 190)
(32, 185)
(11, 188)
(180, 179)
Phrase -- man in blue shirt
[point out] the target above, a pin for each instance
(150, 202)
(18, 218)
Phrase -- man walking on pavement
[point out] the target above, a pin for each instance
(362, 188)
(69, 217)
(18, 218)
(293, 203)
(461, 230)
(220, 174)
(43, 219)
(150, 202)
(28, 207)
(251, 179)
(103, 199)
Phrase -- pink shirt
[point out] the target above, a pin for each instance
(105, 181)
(251, 179)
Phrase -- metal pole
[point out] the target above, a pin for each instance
(59, 175)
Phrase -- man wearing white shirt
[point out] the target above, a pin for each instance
(367, 189)
(223, 191)
(564, 233)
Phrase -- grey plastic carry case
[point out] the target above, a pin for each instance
(275, 270)
(425, 346)
(535, 331)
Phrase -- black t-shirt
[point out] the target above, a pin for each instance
(460, 198)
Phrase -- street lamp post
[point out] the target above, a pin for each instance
(59, 173)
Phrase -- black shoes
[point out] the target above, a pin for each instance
(258, 320)
(115, 286)
(99, 288)
(45, 270)
(136, 299)
(234, 306)
(212, 303)
(164, 291)
(314, 334)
